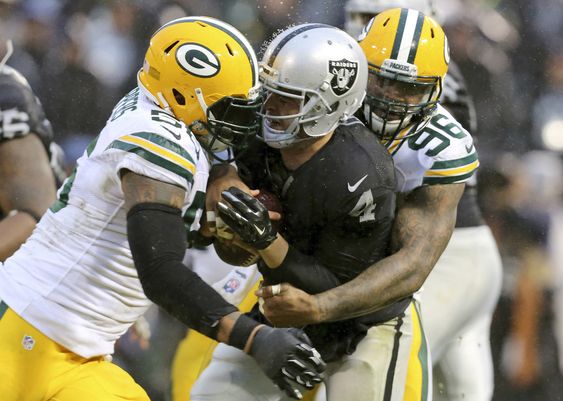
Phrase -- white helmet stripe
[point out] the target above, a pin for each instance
(408, 35)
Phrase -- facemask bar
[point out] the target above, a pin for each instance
(385, 108)
(231, 123)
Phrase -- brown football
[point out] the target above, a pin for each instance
(235, 255)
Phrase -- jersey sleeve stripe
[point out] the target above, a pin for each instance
(447, 180)
(179, 169)
(165, 143)
(448, 172)
(161, 147)
(448, 164)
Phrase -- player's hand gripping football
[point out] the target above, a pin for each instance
(247, 217)
(288, 359)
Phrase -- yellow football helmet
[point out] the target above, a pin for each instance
(205, 72)
(408, 57)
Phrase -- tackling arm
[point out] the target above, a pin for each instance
(422, 229)
(157, 239)
(27, 189)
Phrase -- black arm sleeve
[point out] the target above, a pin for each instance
(157, 239)
(304, 272)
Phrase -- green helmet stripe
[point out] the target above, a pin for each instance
(400, 32)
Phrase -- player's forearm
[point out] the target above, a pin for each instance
(384, 283)
(421, 232)
(14, 230)
(288, 265)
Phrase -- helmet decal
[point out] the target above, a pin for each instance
(446, 50)
(365, 30)
(197, 60)
(344, 75)
(408, 35)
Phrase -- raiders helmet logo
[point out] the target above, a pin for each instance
(344, 75)
(197, 60)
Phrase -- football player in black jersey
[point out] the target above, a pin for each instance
(336, 185)
(429, 218)
(30, 162)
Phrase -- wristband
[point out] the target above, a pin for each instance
(243, 329)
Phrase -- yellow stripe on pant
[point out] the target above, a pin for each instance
(35, 368)
(416, 387)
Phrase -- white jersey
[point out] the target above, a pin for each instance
(441, 152)
(74, 279)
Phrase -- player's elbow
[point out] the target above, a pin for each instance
(417, 270)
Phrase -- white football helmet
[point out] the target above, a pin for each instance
(321, 66)
(359, 12)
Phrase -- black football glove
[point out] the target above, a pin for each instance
(288, 359)
(247, 217)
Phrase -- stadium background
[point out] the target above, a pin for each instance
(81, 56)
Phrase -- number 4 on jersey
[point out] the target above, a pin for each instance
(365, 207)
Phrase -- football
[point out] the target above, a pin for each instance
(233, 254)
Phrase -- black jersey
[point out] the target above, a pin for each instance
(338, 210)
(21, 113)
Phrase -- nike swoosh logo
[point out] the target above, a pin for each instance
(352, 188)
(469, 148)
(260, 231)
(175, 135)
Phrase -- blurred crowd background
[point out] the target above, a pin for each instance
(81, 56)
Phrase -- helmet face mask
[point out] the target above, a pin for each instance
(307, 99)
(205, 73)
(408, 57)
(231, 122)
(286, 109)
(394, 102)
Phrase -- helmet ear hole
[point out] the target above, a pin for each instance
(167, 50)
(180, 99)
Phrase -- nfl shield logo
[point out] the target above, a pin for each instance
(345, 73)
(28, 342)
(231, 286)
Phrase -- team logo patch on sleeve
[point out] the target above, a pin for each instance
(198, 60)
(232, 285)
(345, 73)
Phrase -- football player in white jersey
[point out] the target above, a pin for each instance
(434, 158)
(115, 238)
(460, 294)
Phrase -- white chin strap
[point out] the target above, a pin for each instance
(377, 122)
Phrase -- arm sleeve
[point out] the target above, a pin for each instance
(157, 239)
(304, 272)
